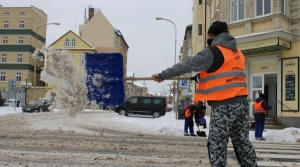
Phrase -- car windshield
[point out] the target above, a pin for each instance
(34, 102)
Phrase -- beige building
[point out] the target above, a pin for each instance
(18, 26)
(134, 88)
(268, 33)
(186, 93)
(100, 33)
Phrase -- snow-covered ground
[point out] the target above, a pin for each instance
(165, 125)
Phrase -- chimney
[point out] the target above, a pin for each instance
(91, 13)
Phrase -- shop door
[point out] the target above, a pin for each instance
(257, 86)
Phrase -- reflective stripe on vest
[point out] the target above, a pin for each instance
(227, 82)
(259, 108)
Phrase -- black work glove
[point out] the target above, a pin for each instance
(196, 77)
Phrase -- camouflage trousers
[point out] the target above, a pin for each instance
(230, 121)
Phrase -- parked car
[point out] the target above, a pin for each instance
(155, 106)
(11, 102)
(39, 105)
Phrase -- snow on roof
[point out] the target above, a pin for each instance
(139, 84)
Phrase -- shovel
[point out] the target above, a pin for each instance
(105, 78)
(201, 133)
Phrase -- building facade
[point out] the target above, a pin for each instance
(18, 27)
(76, 46)
(100, 33)
(185, 93)
(268, 33)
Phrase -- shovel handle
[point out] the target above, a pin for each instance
(149, 78)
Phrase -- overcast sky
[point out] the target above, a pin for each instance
(151, 42)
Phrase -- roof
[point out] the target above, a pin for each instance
(189, 27)
(118, 32)
(92, 47)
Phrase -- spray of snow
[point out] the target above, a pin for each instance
(62, 73)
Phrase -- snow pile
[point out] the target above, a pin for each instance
(61, 72)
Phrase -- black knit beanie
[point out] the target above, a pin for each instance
(218, 27)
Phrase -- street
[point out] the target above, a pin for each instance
(22, 145)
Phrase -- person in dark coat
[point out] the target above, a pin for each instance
(202, 120)
(261, 108)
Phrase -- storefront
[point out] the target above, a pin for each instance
(273, 69)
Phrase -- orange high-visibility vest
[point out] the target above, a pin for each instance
(227, 82)
(187, 112)
(259, 108)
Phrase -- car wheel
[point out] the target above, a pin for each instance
(156, 114)
(123, 112)
(41, 110)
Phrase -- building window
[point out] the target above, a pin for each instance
(2, 76)
(6, 13)
(237, 10)
(81, 59)
(5, 39)
(6, 23)
(3, 57)
(283, 6)
(73, 43)
(263, 7)
(67, 43)
(200, 2)
(18, 76)
(21, 24)
(19, 58)
(22, 13)
(190, 52)
(20, 39)
(199, 29)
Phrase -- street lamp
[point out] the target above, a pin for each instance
(36, 32)
(177, 90)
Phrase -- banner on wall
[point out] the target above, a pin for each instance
(290, 84)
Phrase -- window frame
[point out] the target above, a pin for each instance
(4, 56)
(6, 13)
(19, 57)
(21, 40)
(22, 13)
(73, 41)
(283, 3)
(237, 11)
(18, 76)
(263, 9)
(82, 59)
(67, 42)
(22, 24)
(6, 24)
(2, 76)
(5, 39)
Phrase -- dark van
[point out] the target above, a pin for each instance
(155, 106)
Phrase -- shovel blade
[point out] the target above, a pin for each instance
(201, 134)
(104, 79)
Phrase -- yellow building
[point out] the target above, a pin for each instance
(268, 33)
(17, 34)
(76, 45)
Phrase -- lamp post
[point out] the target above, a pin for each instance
(177, 90)
(36, 33)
